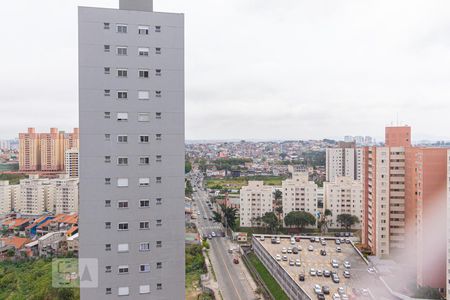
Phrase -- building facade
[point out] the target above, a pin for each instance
(71, 162)
(344, 196)
(29, 151)
(344, 161)
(5, 197)
(65, 195)
(299, 194)
(131, 72)
(448, 226)
(256, 199)
(34, 197)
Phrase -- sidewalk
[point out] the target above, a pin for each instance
(209, 281)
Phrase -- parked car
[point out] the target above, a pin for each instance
(262, 239)
(347, 264)
(213, 234)
(323, 252)
(346, 274)
(312, 272)
(320, 296)
(319, 272)
(334, 263)
(326, 273)
(348, 241)
(301, 277)
(292, 241)
(284, 250)
(236, 260)
(278, 240)
(310, 248)
(289, 250)
(297, 239)
(312, 240)
(209, 237)
(317, 289)
(337, 241)
(278, 257)
(323, 243)
(316, 239)
(338, 249)
(335, 278)
(297, 262)
(284, 258)
(273, 240)
(365, 292)
(326, 290)
(336, 297)
(341, 290)
(291, 262)
(295, 250)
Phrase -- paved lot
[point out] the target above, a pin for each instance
(359, 275)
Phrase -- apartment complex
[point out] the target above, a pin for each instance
(45, 151)
(344, 196)
(299, 194)
(131, 72)
(448, 227)
(344, 161)
(34, 197)
(71, 162)
(65, 195)
(256, 199)
(5, 197)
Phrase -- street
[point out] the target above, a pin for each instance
(233, 284)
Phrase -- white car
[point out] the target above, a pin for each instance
(262, 239)
(213, 234)
(278, 257)
(347, 265)
(336, 297)
(312, 272)
(310, 248)
(297, 262)
(371, 270)
(338, 249)
(316, 240)
(284, 250)
(341, 290)
(289, 250)
(317, 289)
(292, 241)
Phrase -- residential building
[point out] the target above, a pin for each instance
(33, 196)
(52, 150)
(29, 151)
(65, 194)
(71, 162)
(5, 197)
(256, 199)
(448, 226)
(344, 161)
(131, 72)
(299, 194)
(344, 196)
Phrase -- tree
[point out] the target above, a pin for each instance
(347, 220)
(227, 217)
(188, 190)
(278, 196)
(271, 221)
(187, 166)
(324, 222)
(299, 219)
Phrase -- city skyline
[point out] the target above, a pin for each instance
(380, 71)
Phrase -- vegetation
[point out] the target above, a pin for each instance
(31, 280)
(187, 166)
(188, 190)
(271, 221)
(195, 265)
(324, 223)
(230, 163)
(238, 182)
(227, 217)
(273, 286)
(347, 220)
(12, 178)
(299, 219)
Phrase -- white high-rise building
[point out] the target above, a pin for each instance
(5, 197)
(256, 199)
(344, 196)
(344, 161)
(131, 72)
(299, 194)
(65, 194)
(34, 195)
(71, 158)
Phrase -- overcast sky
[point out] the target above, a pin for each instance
(262, 69)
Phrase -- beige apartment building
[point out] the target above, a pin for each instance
(65, 194)
(29, 151)
(33, 196)
(5, 197)
(71, 162)
(256, 199)
(344, 196)
(300, 194)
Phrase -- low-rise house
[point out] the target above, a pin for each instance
(49, 244)
(13, 242)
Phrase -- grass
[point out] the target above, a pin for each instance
(238, 182)
(12, 178)
(273, 286)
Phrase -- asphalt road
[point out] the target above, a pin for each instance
(228, 275)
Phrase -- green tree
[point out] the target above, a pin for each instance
(187, 166)
(347, 220)
(188, 190)
(227, 217)
(10, 253)
(278, 196)
(324, 221)
(271, 221)
(299, 219)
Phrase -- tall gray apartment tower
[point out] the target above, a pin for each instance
(131, 89)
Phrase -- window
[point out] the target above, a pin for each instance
(143, 73)
(144, 203)
(158, 94)
(107, 203)
(159, 286)
(144, 225)
(107, 247)
(122, 182)
(122, 73)
(107, 180)
(144, 181)
(143, 51)
(143, 30)
(158, 136)
(143, 138)
(158, 179)
(122, 138)
(107, 48)
(123, 291)
(107, 92)
(105, 25)
(107, 159)
(158, 158)
(157, 28)
(143, 117)
(159, 265)
(107, 115)
(122, 161)
(158, 222)
(122, 248)
(122, 226)
(108, 269)
(123, 269)
(144, 160)
(122, 204)
(143, 95)
(144, 268)
(158, 50)
(158, 201)
(107, 137)
(122, 116)
(108, 291)
(158, 115)
(158, 72)
(122, 95)
(122, 50)
(144, 289)
(122, 28)
(144, 246)
(107, 225)
(107, 70)
(158, 244)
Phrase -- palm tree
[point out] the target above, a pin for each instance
(324, 222)
(278, 203)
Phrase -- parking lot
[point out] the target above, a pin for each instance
(360, 282)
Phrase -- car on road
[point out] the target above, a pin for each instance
(278, 257)
(336, 297)
(312, 272)
(205, 218)
(284, 258)
(301, 277)
(278, 240)
(365, 292)
(310, 248)
(209, 237)
(198, 212)
(230, 250)
(326, 290)
(213, 234)
(284, 250)
(347, 264)
(338, 249)
(317, 289)
(297, 262)
(210, 219)
(346, 274)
